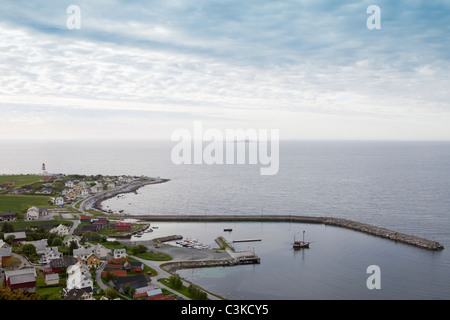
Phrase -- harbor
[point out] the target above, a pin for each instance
(330, 221)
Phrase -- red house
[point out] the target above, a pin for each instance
(123, 225)
(8, 216)
(23, 279)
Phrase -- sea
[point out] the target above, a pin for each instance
(399, 185)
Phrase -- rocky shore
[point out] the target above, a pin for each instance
(96, 201)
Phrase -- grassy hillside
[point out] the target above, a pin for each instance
(21, 203)
(20, 179)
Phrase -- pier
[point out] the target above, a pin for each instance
(337, 222)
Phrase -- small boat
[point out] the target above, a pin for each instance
(229, 229)
(300, 244)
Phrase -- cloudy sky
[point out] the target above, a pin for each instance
(142, 69)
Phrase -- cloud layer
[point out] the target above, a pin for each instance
(309, 68)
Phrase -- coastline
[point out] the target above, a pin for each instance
(95, 203)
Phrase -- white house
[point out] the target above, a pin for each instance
(111, 185)
(71, 237)
(78, 277)
(59, 201)
(50, 254)
(69, 184)
(61, 230)
(101, 251)
(119, 253)
(84, 192)
(32, 214)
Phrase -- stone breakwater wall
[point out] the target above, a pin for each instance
(337, 222)
(384, 233)
(172, 267)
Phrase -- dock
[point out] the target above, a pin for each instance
(247, 240)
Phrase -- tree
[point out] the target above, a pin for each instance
(29, 250)
(72, 245)
(8, 294)
(176, 282)
(10, 239)
(111, 293)
(57, 242)
(7, 227)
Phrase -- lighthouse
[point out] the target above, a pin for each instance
(43, 170)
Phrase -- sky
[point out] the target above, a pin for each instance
(142, 69)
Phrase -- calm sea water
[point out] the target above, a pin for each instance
(404, 186)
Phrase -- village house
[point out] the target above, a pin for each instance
(119, 253)
(43, 212)
(69, 184)
(82, 253)
(101, 251)
(79, 294)
(45, 190)
(19, 237)
(8, 216)
(122, 226)
(5, 255)
(111, 185)
(51, 253)
(78, 277)
(51, 279)
(59, 201)
(61, 230)
(135, 266)
(71, 237)
(58, 265)
(22, 279)
(92, 260)
(137, 281)
(40, 245)
(32, 214)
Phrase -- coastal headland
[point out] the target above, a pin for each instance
(419, 242)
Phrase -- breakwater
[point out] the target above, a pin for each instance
(337, 222)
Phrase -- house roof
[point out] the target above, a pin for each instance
(52, 276)
(17, 235)
(63, 262)
(5, 252)
(136, 281)
(8, 213)
(22, 278)
(75, 294)
(20, 272)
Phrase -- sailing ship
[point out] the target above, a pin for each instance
(300, 244)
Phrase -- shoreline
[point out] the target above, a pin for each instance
(384, 233)
(95, 201)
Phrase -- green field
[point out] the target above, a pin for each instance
(20, 179)
(21, 203)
